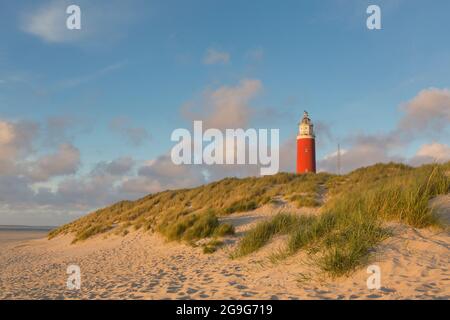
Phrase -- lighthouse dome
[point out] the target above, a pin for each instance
(306, 127)
(306, 119)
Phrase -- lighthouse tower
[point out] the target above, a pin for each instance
(306, 146)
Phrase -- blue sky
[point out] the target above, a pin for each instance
(116, 88)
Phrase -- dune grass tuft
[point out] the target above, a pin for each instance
(305, 200)
(353, 222)
(212, 246)
(194, 226)
(224, 229)
(403, 198)
(264, 231)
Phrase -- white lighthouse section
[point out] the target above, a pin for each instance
(306, 128)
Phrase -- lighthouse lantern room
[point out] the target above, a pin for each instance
(306, 146)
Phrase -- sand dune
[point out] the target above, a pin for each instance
(414, 265)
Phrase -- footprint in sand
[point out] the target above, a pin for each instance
(191, 291)
(387, 290)
(154, 283)
(248, 294)
(173, 289)
(182, 278)
(241, 287)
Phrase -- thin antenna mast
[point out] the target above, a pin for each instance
(339, 160)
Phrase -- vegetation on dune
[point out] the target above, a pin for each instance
(401, 197)
(264, 231)
(351, 222)
(224, 197)
(212, 246)
(194, 226)
(308, 200)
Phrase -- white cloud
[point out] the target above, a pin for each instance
(16, 140)
(6, 133)
(139, 186)
(117, 167)
(439, 152)
(169, 175)
(428, 112)
(48, 22)
(64, 161)
(226, 107)
(433, 152)
(103, 20)
(214, 56)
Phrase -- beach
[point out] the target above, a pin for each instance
(413, 262)
(19, 235)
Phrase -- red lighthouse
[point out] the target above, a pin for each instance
(306, 146)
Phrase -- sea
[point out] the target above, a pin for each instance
(15, 233)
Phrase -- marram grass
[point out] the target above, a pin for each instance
(195, 226)
(351, 224)
(224, 197)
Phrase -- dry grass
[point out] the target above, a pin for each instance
(224, 197)
(352, 222)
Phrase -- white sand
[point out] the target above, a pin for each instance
(414, 265)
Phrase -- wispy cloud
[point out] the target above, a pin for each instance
(117, 167)
(214, 56)
(134, 135)
(76, 81)
(255, 55)
(65, 161)
(226, 106)
(429, 111)
(48, 23)
(100, 20)
(432, 152)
